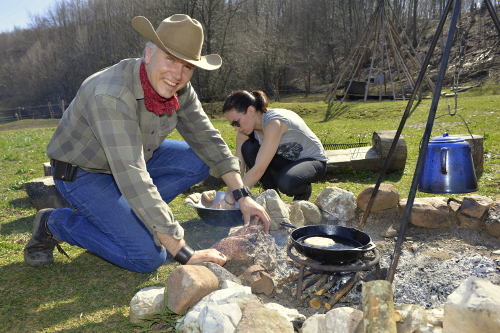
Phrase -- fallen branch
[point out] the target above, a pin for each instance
(460, 89)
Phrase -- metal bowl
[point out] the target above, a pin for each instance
(218, 217)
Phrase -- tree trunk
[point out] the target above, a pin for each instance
(415, 5)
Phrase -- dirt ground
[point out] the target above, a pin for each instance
(429, 249)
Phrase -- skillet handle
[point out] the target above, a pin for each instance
(288, 225)
(368, 247)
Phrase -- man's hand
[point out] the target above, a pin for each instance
(208, 255)
(174, 245)
(250, 208)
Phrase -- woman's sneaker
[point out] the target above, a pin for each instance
(40, 248)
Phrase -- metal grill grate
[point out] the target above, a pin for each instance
(334, 146)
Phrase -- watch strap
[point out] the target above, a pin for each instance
(241, 192)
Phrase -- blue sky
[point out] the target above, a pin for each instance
(15, 12)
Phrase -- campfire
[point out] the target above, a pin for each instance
(433, 264)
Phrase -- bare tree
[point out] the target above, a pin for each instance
(272, 45)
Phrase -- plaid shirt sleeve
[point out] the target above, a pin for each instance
(197, 130)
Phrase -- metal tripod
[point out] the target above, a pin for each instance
(430, 121)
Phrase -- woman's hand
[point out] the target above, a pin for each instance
(250, 208)
(208, 255)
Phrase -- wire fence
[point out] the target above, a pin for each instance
(56, 110)
(32, 112)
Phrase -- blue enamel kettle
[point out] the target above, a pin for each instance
(448, 167)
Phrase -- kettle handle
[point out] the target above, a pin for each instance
(444, 158)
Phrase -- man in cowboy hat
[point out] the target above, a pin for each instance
(111, 161)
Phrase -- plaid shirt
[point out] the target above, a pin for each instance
(107, 129)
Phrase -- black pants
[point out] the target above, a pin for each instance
(292, 178)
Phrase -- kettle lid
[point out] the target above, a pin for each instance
(447, 139)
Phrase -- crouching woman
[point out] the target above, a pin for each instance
(278, 147)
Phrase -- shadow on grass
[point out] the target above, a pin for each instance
(347, 175)
(85, 294)
(19, 226)
(200, 235)
(335, 110)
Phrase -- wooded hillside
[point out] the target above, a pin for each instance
(289, 44)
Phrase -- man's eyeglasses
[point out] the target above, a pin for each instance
(236, 122)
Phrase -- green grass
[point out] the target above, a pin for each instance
(88, 294)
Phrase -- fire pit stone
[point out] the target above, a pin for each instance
(493, 222)
(201, 282)
(336, 204)
(278, 211)
(245, 247)
(304, 212)
(387, 197)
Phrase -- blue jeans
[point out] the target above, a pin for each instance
(104, 222)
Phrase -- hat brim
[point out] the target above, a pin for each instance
(145, 28)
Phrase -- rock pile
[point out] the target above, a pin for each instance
(473, 307)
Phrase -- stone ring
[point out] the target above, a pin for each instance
(221, 255)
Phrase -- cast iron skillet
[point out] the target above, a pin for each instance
(350, 243)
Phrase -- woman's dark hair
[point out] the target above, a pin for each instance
(240, 101)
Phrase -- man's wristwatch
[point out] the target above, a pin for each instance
(241, 192)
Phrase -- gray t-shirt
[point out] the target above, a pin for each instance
(298, 142)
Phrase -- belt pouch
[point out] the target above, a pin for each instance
(64, 171)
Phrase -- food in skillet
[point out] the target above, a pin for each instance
(319, 241)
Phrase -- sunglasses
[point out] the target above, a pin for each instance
(236, 122)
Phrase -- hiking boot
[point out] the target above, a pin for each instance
(40, 248)
(304, 196)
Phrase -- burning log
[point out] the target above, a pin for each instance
(326, 287)
(316, 286)
(378, 307)
(345, 289)
(312, 281)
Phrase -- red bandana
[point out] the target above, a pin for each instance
(153, 101)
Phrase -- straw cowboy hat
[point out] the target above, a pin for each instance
(180, 36)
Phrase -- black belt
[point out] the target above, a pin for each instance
(64, 170)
